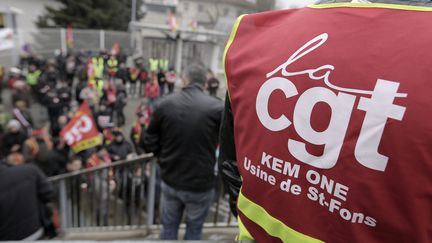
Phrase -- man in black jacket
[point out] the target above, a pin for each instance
(13, 139)
(183, 133)
(119, 149)
(24, 192)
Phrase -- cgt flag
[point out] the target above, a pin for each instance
(81, 132)
(115, 49)
(69, 37)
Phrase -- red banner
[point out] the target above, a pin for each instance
(81, 132)
(69, 37)
(172, 21)
(115, 49)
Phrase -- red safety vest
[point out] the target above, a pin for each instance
(330, 107)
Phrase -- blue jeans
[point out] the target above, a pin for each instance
(174, 202)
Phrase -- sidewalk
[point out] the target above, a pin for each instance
(219, 234)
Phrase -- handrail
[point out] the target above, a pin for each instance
(126, 198)
(101, 167)
(139, 25)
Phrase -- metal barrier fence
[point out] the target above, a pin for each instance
(44, 41)
(122, 195)
(193, 48)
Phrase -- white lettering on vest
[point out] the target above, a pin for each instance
(332, 138)
(378, 109)
(288, 88)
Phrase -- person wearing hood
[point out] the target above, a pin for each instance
(37, 147)
(119, 149)
(54, 106)
(57, 158)
(120, 103)
(22, 114)
(55, 128)
(14, 138)
(103, 117)
(50, 76)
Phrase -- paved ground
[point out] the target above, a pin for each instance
(222, 234)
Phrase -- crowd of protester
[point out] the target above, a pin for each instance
(61, 85)
(57, 87)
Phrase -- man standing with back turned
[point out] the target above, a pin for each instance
(183, 133)
(327, 121)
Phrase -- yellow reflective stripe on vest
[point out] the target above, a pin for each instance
(228, 45)
(372, 5)
(243, 232)
(271, 225)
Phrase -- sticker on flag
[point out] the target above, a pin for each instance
(81, 132)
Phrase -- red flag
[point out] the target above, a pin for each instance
(115, 49)
(172, 21)
(194, 25)
(69, 36)
(81, 133)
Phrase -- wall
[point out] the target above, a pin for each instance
(31, 9)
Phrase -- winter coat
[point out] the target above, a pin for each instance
(120, 150)
(152, 90)
(24, 190)
(183, 133)
(37, 150)
(10, 139)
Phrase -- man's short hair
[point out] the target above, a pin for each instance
(196, 73)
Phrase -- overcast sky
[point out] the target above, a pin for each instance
(293, 3)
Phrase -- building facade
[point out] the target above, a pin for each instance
(190, 21)
(26, 12)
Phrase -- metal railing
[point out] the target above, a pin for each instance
(108, 195)
(123, 195)
(43, 42)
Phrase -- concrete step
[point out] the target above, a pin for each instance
(213, 234)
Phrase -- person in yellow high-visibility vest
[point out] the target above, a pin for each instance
(33, 76)
(112, 64)
(164, 64)
(153, 64)
(98, 66)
